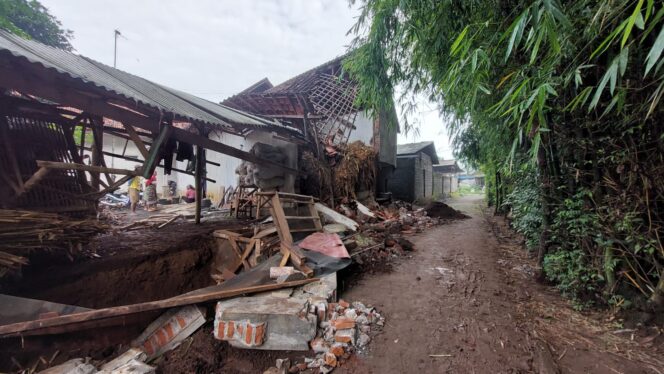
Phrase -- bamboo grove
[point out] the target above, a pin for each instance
(558, 102)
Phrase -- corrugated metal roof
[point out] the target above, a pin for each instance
(137, 89)
(448, 166)
(414, 148)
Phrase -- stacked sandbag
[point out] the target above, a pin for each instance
(264, 177)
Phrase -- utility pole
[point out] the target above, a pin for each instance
(115, 48)
(116, 33)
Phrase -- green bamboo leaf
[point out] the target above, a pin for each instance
(609, 39)
(649, 7)
(517, 31)
(655, 52)
(630, 23)
(610, 72)
(458, 40)
(640, 23)
(623, 57)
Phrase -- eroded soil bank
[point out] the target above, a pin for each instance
(121, 268)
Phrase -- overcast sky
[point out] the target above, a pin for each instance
(214, 49)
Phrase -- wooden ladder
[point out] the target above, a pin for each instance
(275, 201)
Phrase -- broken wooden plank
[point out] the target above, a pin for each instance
(34, 179)
(201, 296)
(137, 140)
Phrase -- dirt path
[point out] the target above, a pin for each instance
(466, 303)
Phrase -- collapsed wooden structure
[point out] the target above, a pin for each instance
(54, 105)
(320, 102)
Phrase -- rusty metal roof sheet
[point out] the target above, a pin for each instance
(129, 86)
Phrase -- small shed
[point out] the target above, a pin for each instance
(413, 177)
(449, 171)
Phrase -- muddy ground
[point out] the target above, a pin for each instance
(466, 302)
(463, 302)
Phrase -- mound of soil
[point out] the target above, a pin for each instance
(439, 209)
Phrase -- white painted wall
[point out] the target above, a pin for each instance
(364, 129)
(224, 175)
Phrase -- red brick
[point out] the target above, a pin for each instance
(248, 338)
(330, 359)
(343, 323)
(345, 336)
(169, 331)
(337, 350)
(221, 329)
(231, 329)
(260, 334)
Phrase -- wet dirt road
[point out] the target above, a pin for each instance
(466, 302)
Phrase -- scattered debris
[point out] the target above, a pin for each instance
(23, 231)
(344, 329)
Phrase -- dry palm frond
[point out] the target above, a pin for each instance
(356, 171)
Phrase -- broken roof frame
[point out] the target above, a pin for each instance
(321, 99)
(52, 81)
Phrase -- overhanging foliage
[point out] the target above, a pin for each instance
(572, 88)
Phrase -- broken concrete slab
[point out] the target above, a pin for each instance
(73, 366)
(325, 288)
(287, 322)
(169, 330)
(133, 367)
(333, 216)
(133, 354)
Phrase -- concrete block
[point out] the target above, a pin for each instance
(169, 330)
(276, 271)
(325, 288)
(288, 323)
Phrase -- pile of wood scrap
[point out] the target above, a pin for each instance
(24, 231)
(184, 210)
(156, 221)
(243, 249)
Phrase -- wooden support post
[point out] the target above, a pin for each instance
(137, 140)
(97, 156)
(11, 155)
(84, 129)
(152, 160)
(197, 181)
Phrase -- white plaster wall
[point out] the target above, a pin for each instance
(364, 129)
(224, 175)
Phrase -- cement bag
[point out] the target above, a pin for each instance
(266, 172)
(270, 184)
(268, 152)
